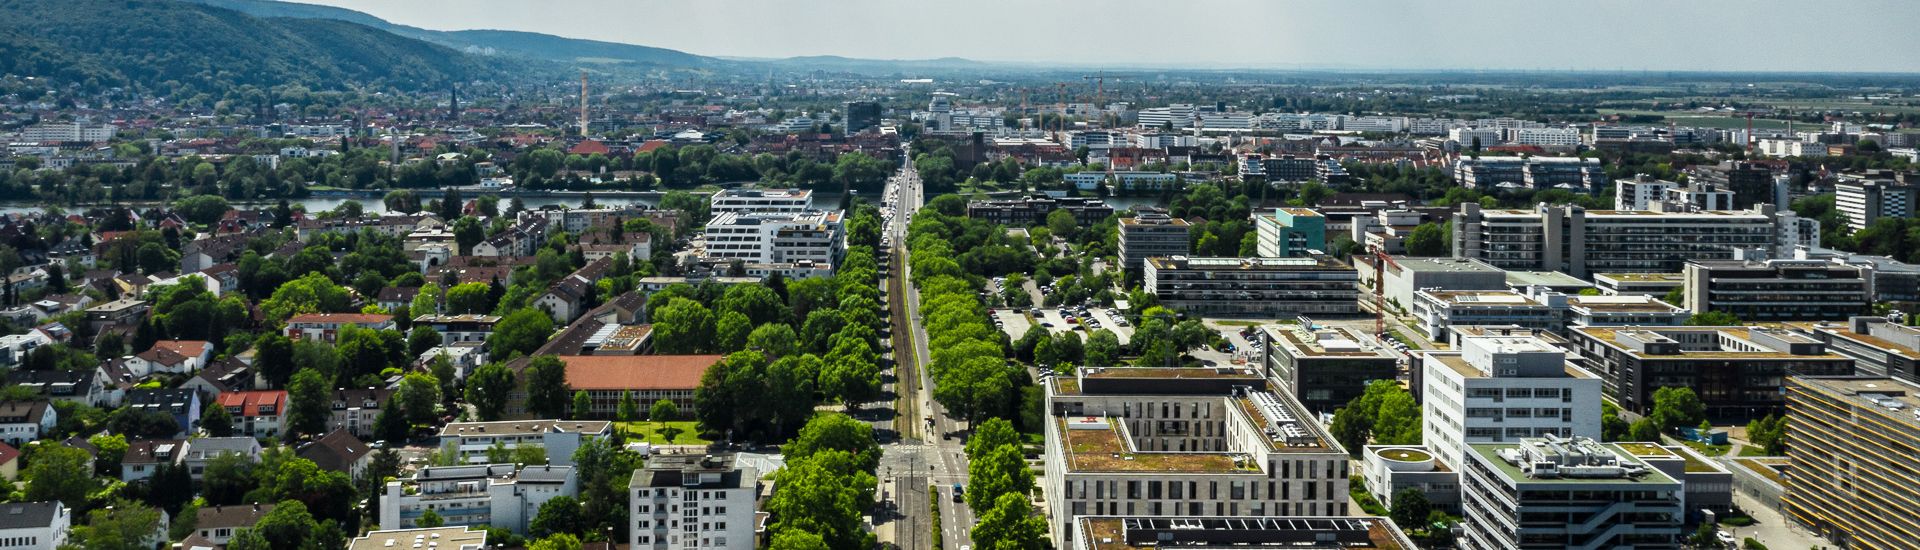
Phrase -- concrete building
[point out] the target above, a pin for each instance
(1779, 290)
(762, 201)
(1736, 371)
(1033, 210)
(1406, 275)
(1288, 168)
(1152, 233)
(1267, 533)
(1879, 346)
(1290, 233)
(442, 538)
(1179, 442)
(325, 327)
(647, 378)
(1854, 440)
(480, 495)
(692, 502)
(454, 329)
(1500, 389)
(34, 525)
(1558, 493)
(1438, 310)
(1583, 175)
(772, 238)
(1870, 196)
(1578, 242)
(1390, 469)
(860, 115)
(1325, 368)
(1751, 183)
(1656, 285)
(1709, 485)
(1265, 287)
(559, 437)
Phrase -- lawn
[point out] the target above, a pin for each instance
(650, 433)
(1705, 449)
(1395, 333)
(1750, 450)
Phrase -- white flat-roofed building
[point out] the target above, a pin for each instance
(1508, 490)
(1577, 241)
(442, 538)
(1152, 233)
(1267, 533)
(559, 437)
(773, 238)
(1545, 137)
(700, 502)
(762, 200)
(1439, 309)
(1500, 389)
(480, 495)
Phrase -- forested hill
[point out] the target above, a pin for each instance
(167, 44)
(528, 45)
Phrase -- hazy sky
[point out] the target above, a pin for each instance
(1765, 35)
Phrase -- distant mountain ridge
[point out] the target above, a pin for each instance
(163, 43)
(483, 42)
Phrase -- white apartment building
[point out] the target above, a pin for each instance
(1386, 124)
(1180, 115)
(1792, 147)
(34, 525)
(559, 437)
(68, 131)
(1545, 137)
(692, 502)
(1180, 442)
(762, 200)
(1864, 198)
(1440, 310)
(1500, 389)
(774, 238)
(1578, 242)
(1640, 193)
(1556, 493)
(1488, 137)
(481, 495)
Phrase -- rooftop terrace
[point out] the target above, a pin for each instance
(1292, 533)
(1098, 445)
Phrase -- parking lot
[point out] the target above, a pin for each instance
(1081, 321)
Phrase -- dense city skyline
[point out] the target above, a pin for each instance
(1718, 35)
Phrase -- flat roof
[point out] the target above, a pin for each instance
(1482, 297)
(1543, 278)
(1608, 335)
(1423, 265)
(1674, 278)
(1326, 342)
(1490, 452)
(443, 538)
(1312, 263)
(1875, 390)
(1622, 304)
(523, 427)
(1104, 449)
(1845, 331)
(1292, 533)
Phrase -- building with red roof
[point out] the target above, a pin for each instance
(256, 413)
(649, 378)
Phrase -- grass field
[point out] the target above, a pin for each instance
(650, 433)
(1708, 450)
(1702, 120)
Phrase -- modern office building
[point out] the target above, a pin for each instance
(559, 437)
(1289, 168)
(1406, 275)
(777, 237)
(1736, 371)
(1879, 346)
(1290, 232)
(1437, 310)
(1874, 194)
(1033, 210)
(1644, 192)
(860, 115)
(1266, 533)
(761, 201)
(1325, 367)
(1582, 175)
(1779, 290)
(701, 502)
(1390, 469)
(1578, 242)
(1152, 233)
(1184, 442)
(1751, 183)
(1709, 485)
(1500, 389)
(1656, 285)
(1558, 493)
(1640, 192)
(1853, 445)
(480, 495)
(1265, 287)
(1614, 311)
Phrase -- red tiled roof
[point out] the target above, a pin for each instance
(356, 318)
(637, 372)
(588, 147)
(8, 453)
(186, 348)
(251, 401)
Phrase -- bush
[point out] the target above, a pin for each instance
(1753, 544)
(1737, 521)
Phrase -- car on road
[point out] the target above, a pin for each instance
(959, 493)
(1725, 538)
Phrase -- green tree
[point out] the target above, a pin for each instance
(662, 412)
(823, 494)
(775, 340)
(488, 389)
(466, 233)
(470, 298)
(520, 333)
(1411, 508)
(1429, 239)
(836, 432)
(309, 404)
(1674, 407)
(683, 326)
(547, 393)
(1644, 429)
(59, 472)
(428, 520)
(582, 405)
(1009, 524)
(1000, 471)
(557, 541)
(1102, 349)
(419, 396)
(391, 424)
(560, 514)
(1713, 319)
(111, 449)
(629, 410)
(1770, 434)
(1062, 224)
(128, 525)
(798, 540)
(313, 293)
(851, 373)
(1612, 427)
(732, 331)
(216, 421)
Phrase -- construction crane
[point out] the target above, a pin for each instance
(1099, 86)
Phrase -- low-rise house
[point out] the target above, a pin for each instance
(569, 297)
(325, 327)
(145, 456)
(202, 451)
(355, 410)
(339, 451)
(648, 378)
(493, 495)
(256, 413)
(221, 376)
(454, 329)
(560, 438)
(183, 404)
(9, 462)
(124, 312)
(34, 524)
(23, 421)
(79, 386)
(217, 524)
(172, 357)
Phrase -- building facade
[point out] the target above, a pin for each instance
(1558, 493)
(1501, 389)
(1267, 287)
(692, 502)
(1152, 233)
(1290, 233)
(1736, 371)
(1779, 290)
(1854, 443)
(480, 495)
(1325, 368)
(1580, 242)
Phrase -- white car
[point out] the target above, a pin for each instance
(1725, 538)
